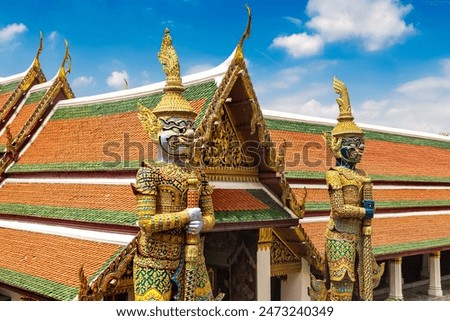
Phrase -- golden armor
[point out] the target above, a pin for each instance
(351, 269)
(161, 191)
(173, 199)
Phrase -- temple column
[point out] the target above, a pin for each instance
(296, 287)
(263, 265)
(395, 279)
(425, 272)
(435, 287)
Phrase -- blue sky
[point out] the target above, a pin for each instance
(394, 56)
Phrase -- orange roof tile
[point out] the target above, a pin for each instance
(236, 200)
(308, 152)
(96, 196)
(95, 140)
(394, 231)
(321, 195)
(52, 257)
(3, 98)
(19, 120)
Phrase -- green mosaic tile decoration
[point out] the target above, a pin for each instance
(68, 213)
(410, 246)
(6, 88)
(300, 127)
(38, 285)
(193, 92)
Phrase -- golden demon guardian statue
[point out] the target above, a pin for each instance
(351, 272)
(173, 200)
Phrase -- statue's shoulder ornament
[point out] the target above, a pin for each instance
(337, 177)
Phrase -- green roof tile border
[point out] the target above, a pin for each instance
(75, 166)
(391, 178)
(198, 91)
(38, 285)
(274, 212)
(9, 87)
(46, 287)
(325, 206)
(192, 92)
(35, 96)
(305, 174)
(70, 213)
(410, 246)
(302, 127)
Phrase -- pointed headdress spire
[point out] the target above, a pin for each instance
(173, 102)
(345, 124)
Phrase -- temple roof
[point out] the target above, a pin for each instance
(76, 166)
(14, 88)
(391, 154)
(110, 202)
(399, 235)
(46, 266)
(96, 130)
(412, 198)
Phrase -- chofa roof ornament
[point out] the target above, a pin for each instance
(66, 64)
(239, 50)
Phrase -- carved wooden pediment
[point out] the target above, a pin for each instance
(282, 260)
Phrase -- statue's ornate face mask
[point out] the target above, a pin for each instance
(352, 149)
(176, 136)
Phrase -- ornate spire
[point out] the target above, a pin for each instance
(36, 59)
(63, 71)
(345, 124)
(173, 102)
(239, 50)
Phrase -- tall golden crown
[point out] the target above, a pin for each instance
(345, 125)
(173, 103)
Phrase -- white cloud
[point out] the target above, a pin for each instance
(198, 68)
(376, 24)
(299, 98)
(117, 79)
(293, 20)
(52, 38)
(420, 104)
(9, 32)
(285, 79)
(299, 44)
(314, 107)
(83, 81)
(446, 66)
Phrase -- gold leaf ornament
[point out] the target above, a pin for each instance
(149, 121)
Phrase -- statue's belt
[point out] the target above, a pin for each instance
(168, 238)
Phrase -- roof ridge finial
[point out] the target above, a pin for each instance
(36, 58)
(67, 58)
(246, 35)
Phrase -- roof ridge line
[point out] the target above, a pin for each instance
(279, 115)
